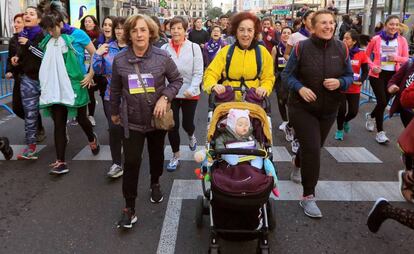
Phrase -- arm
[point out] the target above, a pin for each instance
(289, 74)
(116, 90)
(12, 52)
(194, 88)
(91, 50)
(407, 97)
(98, 64)
(368, 52)
(267, 79)
(287, 51)
(174, 78)
(404, 56)
(213, 72)
(364, 72)
(347, 78)
(398, 76)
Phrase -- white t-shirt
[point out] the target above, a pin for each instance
(295, 38)
(390, 49)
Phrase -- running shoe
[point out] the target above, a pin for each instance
(376, 216)
(339, 135)
(128, 219)
(381, 138)
(115, 171)
(5, 148)
(156, 194)
(193, 143)
(295, 145)
(92, 120)
(289, 134)
(310, 208)
(173, 164)
(370, 122)
(28, 153)
(59, 168)
(95, 147)
(283, 125)
(347, 127)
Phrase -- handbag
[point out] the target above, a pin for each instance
(406, 139)
(167, 121)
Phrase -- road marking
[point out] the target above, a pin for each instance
(352, 155)
(86, 155)
(18, 148)
(325, 191)
(6, 118)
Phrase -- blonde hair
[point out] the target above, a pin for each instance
(131, 22)
(403, 28)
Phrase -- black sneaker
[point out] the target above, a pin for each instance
(156, 194)
(95, 147)
(5, 148)
(376, 216)
(59, 168)
(128, 218)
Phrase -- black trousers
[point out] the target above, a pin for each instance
(379, 87)
(116, 133)
(188, 108)
(60, 116)
(311, 131)
(281, 99)
(133, 147)
(100, 86)
(348, 109)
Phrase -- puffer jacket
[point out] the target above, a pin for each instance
(228, 135)
(135, 111)
(407, 97)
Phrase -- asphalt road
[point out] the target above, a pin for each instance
(76, 213)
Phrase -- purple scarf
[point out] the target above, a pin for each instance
(387, 38)
(30, 32)
(101, 40)
(213, 47)
(355, 49)
(282, 48)
(67, 29)
(304, 32)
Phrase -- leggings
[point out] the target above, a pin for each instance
(379, 86)
(188, 108)
(311, 131)
(348, 109)
(133, 147)
(60, 116)
(30, 93)
(100, 86)
(116, 133)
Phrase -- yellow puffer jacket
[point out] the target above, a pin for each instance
(243, 64)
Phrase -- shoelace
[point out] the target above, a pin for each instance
(56, 164)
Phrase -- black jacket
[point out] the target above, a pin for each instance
(30, 57)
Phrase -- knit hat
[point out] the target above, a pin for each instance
(234, 115)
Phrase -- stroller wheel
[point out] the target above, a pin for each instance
(271, 216)
(199, 211)
(262, 247)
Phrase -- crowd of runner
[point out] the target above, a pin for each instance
(58, 69)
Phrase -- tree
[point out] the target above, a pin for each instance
(214, 12)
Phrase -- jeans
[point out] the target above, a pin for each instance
(30, 93)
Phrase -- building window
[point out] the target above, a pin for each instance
(175, 12)
(201, 14)
(194, 14)
(181, 13)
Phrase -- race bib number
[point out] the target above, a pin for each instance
(281, 61)
(357, 76)
(135, 86)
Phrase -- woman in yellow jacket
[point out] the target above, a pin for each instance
(245, 64)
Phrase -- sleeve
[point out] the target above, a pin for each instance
(291, 40)
(369, 50)
(175, 81)
(267, 79)
(398, 76)
(32, 47)
(364, 72)
(205, 55)
(404, 51)
(116, 90)
(289, 74)
(407, 97)
(213, 72)
(83, 38)
(198, 70)
(12, 53)
(347, 78)
(98, 64)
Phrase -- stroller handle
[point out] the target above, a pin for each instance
(239, 151)
(265, 104)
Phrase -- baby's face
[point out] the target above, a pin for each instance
(242, 126)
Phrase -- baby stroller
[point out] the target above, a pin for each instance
(237, 200)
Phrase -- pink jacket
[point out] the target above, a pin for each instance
(374, 46)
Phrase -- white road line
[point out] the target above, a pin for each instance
(352, 155)
(86, 155)
(325, 191)
(18, 148)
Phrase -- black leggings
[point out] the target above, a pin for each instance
(379, 87)
(348, 109)
(188, 108)
(311, 132)
(100, 86)
(116, 133)
(60, 116)
(133, 147)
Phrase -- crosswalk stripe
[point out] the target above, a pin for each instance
(352, 154)
(86, 155)
(18, 148)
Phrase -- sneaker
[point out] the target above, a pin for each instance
(376, 216)
(5, 148)
(72, 122)
(92, 120)
(370, 122)
(406, 188)
(95, 147)
(295, 145)
(347, 127)
(115, 171)
(288, 133)
(309, 206)
(40, 135)
(173, 164)
(339, 135)
(283, 125)
(28, 153)
(156, 194)
(296, 176)
(128, 218)
(193, 143)
(381, 137)
(58, 168)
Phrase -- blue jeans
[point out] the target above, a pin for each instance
(30, 92)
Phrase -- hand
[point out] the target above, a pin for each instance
(391, 58)
(9, 75)
(22, 40)
(307, 94)
(265, 30)
(188, 94)
(103, 49)
(160, 107)
(331, 84)
(260, 91)
(219, 89)
(376, 70)
(116, 119)
(358, 83)
(202, 46)
(14, 60)
(269, 38)
(393, 89)
(87, 82)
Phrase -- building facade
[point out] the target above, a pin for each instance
(195, 8)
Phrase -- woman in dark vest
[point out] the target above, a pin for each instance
(316, 73)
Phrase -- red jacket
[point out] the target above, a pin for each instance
(407, 97)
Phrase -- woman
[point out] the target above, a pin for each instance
(198, 35)
(76, 41)
(278, 53)
(390, 51)
(102, 65)
(213, 46)
(135, 112)
(348, 109)
(303, 33)
(316, 73)
(189, 60)
(162, 36)
(345, 26)
(245, 27)
(90, 25)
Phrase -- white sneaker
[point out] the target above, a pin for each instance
(282, 126)
(370, 122)
(92, 120)
(193, 143)
(115, 171)
(381, 137)
(289, 133)
(295, 146)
